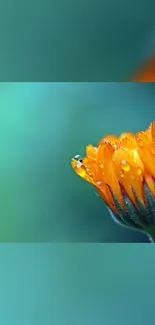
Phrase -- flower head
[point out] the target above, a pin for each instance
(122, 169)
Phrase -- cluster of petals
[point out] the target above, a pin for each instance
(117, 163)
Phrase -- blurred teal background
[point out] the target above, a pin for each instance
(74, 40)
(42, 126)
(46, 284)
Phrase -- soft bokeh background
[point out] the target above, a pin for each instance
(74, 41)
(42, 126)
(76, 284)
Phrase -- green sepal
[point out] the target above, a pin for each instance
(123, 215)
(150, 204)
(141, 209)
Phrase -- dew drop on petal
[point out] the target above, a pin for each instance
(88, 171)
(140, 142)
(99, 183)
(78, 158)
(139, 171)
(101, 165)
(125, 166)
(121, 174)
(79, 164)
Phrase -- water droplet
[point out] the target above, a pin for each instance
(125, 166)
(78, 158)
(88, 171)
(139, 171)
(79, 164)
(113, 159)
(133, 176)
(153, 149)
(121, 174)
(88, 179)
(101, 165)
(99, 183)
(140, 141)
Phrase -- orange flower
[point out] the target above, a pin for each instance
(122, 169)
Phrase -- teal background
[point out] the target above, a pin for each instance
(91, 284)
(75, 40)
(42, 126)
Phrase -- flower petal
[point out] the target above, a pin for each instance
(109, 177)
(95, 174)
(78, 168)
(108, 138)
(91, 151)
(152, 128)
(128, 135)
(129, 173)
(127, 143)
(105, 194)
(146, 150)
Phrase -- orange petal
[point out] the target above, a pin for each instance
(92, 170)
(106, 150)
(152, 128)
(130, 146)
(127, 143)
(105, 153)
(146, 150)
(129, 173)
(91, 151)
(78, 168)
(105, 194)
(108, 138)
(96, 170)
(148, 131)
(128, 135)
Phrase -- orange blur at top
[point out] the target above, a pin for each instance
(146, 73)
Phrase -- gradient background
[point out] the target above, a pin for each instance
(59, 284)
(42, 126)
(47, 284)
(74, 40)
